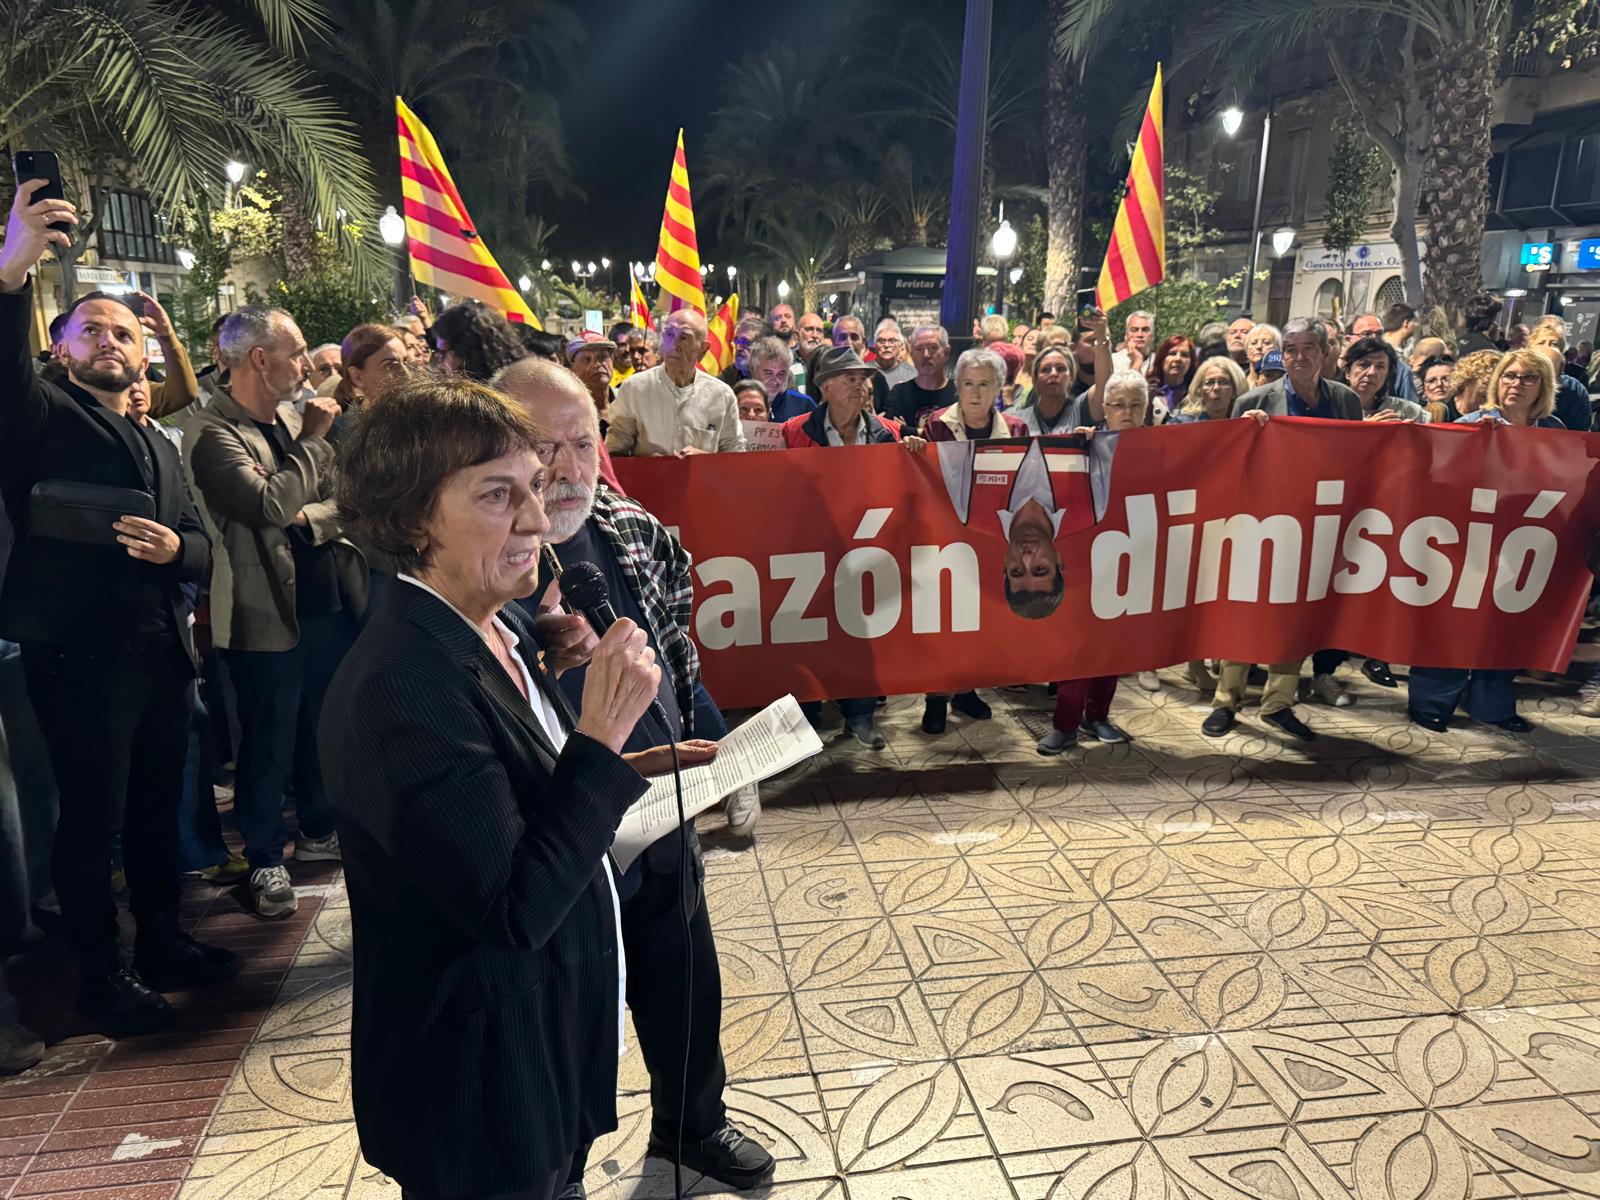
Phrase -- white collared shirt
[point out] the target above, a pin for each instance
(1032, 483)
(545, 714)
(652, 415)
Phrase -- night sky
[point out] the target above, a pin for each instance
(647, 68)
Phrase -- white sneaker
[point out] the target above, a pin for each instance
(1149, 681)
(318, 849)
(1589, 700)
(271, 892)
(1330, 691)
(743, 810)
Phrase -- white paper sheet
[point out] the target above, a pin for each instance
(775, 739)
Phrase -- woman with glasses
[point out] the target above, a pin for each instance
(1434, 377)
(1217, 383)
(1257, 343)
(1522, 391)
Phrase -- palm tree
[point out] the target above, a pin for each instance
(917, 198)
(164, 93)
(1066, 155)
(799, 242)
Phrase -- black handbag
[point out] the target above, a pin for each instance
(84, 512)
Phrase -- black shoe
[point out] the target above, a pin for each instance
(1513, 724)
(1428, 720)
(1285, 720)
(123, 1005)
(970, 704)
(1257, 677)
(176, 962)
(1379, 673)
(729, 1156)
(1219, 722)
(934, 714)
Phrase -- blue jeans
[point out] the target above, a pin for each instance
(1437, 691)
(280, 702)
(850, 710)
(708, 722)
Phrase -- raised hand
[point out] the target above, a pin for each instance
(28, 234)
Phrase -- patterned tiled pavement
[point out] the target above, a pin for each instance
(1367, 967)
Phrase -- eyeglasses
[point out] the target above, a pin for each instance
(1137, 406)
(1517, 379)
(1216, 385)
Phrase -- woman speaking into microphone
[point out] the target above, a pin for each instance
(475, 815)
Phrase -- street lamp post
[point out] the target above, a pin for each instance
(1004, 245)
(392, 228)
(1232, 119)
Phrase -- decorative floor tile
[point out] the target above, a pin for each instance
(1180, 969)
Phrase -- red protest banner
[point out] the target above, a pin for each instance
(864, 571)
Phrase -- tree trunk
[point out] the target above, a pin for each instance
(1066, 150)
(1407, 211)
(1455, 185)
(299, 234)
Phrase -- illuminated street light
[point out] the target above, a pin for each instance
(523, 283)
(1232, 118)
(783, 289)
(186, 258)
(1282, 240)
(392, 227)
(236, 171)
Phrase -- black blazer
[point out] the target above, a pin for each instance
(484, 1031)
(67, 592)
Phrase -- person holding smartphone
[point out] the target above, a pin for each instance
(93, 594)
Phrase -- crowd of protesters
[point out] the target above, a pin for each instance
(185, 656)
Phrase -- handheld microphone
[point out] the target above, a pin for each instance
(583, 587)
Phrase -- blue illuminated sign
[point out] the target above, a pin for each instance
(1589, 254)
(1538, 254)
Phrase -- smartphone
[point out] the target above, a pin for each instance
(42, 164)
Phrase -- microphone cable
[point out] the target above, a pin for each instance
(685, 875)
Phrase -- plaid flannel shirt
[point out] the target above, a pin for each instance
(656, 566)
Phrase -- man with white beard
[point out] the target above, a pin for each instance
(648, 578)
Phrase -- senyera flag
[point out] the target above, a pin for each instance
(678, 254)
(1029, 561)
(638, 310)
(1137, 255)
(719, 338)
(446, 251)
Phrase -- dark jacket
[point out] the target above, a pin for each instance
(809, 430)
(1335, 401)
(71, 593)
(1572, 403)
(484, 1027)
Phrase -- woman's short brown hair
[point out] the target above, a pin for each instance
(360, 344)
(395, 460)
(1527, 359)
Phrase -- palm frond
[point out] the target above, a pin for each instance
(288, 23)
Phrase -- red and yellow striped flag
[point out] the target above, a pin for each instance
(639, 311)
(719, 338)
(446, 251)
(1137, 256)
(678, 255)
